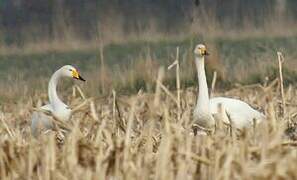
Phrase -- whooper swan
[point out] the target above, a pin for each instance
(56, 108)
(240, 114)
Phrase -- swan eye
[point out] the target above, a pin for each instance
(70, 70)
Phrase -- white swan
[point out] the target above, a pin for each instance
(57, 109)
(240, 114)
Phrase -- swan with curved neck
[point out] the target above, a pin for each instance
(56, 107)
(240, 113)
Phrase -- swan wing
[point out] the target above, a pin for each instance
(41, 120)
(240, 113)
(47, 108)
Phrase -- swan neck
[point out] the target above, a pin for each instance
(203, 97)
(52, 89)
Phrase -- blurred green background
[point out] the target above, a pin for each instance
(121, 44)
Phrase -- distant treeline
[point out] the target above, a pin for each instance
(21, 20)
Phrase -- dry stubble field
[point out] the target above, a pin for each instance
(142, 137)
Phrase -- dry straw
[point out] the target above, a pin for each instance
(176, 63)
(213, 83)
(137, 137)
(281, 60)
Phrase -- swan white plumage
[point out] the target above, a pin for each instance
(240, 114)
(41, 120)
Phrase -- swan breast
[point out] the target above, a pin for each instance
(203, 119)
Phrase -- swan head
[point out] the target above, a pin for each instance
(200, 50)
(70, 71)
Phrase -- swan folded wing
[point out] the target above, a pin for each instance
(47, 107)
(41, 121)
(240, 113)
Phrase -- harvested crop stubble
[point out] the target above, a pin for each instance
(139, 137)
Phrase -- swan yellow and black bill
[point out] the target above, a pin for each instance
(203, 51)
(76, 75)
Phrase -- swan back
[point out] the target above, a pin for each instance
(241, 114)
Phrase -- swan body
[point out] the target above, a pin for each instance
(56, 108)
(240, 114)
